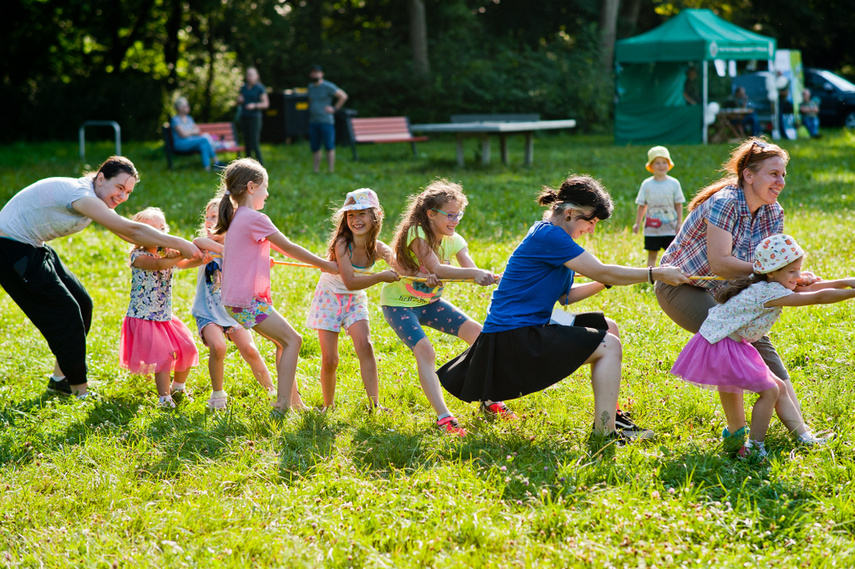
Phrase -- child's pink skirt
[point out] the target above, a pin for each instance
(148, 347)
(727, 365)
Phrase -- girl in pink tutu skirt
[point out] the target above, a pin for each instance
(721, 356)
(154, 341)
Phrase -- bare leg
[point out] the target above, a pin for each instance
(331, 160)
(787, 410)
(249, 352)
(651, 258)
(361, 336)
(426, 363)
(605, 381)
(276, 329)
(469, 331)
(329, 364)
(316, 161)
(162, 382)
(217, 348)
(734, 411)
(761, 414)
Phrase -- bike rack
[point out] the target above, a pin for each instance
(116, 128)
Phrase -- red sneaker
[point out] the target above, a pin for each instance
(498, 410)
(450, 425)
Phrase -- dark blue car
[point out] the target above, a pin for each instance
(836, 96)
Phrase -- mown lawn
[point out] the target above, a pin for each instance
(117, 482)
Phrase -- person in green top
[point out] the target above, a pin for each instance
(425, 243)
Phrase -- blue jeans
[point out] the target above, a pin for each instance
(200, 143)
(321, 133)
(811, 124)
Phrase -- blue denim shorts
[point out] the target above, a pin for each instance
(407, 321)
(321, 133)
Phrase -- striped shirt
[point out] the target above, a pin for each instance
(727, 209)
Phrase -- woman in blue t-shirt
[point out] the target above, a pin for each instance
(520, 350)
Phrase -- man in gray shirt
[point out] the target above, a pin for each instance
(322, 109)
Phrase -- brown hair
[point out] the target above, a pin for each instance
(751, 154)
(115, 165)
(738, 285)
(234, 181)
(579, 191)
(342, 231)
(435, 195)
(213, 202)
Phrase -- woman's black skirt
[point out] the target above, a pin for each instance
(513, 363)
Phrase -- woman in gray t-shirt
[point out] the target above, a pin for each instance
(36, 278)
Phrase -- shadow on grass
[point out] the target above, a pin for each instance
(110, 414)
(311, 443)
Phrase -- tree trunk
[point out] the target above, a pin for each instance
(608, 30)
(630, 11)
(171, 47)
(418, 39)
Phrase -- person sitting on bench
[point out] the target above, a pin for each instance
(187, 137)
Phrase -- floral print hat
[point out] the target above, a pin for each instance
(774, 252)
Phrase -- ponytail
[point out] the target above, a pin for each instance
(579, 192)
(233, 184)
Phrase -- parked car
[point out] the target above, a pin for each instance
(836, 97)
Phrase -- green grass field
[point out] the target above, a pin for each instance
(116, 482)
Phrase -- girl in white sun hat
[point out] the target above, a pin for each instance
(720, 355)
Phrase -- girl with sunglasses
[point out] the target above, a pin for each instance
(425, 243)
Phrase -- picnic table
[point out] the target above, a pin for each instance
(487, 128)
(728, 125)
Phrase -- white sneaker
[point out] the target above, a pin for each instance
(271, 392)
(810, 439)
(165, 402)
(753, 450)
(218, 401)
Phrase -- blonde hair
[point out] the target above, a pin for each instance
(237, 176)
(751, 154)
(153, 214)
(434, 196)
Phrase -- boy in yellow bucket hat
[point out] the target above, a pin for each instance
(660, 204)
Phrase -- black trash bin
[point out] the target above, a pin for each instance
(342, 132)
(287, 118)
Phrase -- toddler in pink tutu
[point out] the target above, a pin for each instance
(721, 356)
(154, 341)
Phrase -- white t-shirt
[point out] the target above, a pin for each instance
(42, 211)
(660, 197)
(745, 314)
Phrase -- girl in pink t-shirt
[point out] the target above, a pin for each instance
(246, 270)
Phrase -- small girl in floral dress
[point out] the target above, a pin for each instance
(153, 341)
(720, 356)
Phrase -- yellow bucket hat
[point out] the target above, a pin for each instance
(658, 152)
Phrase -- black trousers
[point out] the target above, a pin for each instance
(52, 298)
(252, 136)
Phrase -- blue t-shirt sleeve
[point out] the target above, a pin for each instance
(553, 246)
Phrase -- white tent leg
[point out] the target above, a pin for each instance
(705, 87)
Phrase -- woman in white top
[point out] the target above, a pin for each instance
(39, 282)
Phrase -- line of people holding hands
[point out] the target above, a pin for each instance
(733, 231)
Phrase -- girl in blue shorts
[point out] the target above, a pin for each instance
(425, 242)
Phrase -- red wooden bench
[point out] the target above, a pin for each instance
(381, 130)
(223, 133)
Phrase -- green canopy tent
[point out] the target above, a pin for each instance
(651, 75)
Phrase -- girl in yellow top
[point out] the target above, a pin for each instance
(425, 242)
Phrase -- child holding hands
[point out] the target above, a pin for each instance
(153, 340)
(246, 270)
(212, 321)
(660, 204)
(721, 355)
(340, 300)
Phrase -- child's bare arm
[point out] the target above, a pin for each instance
(679, 208)
(639, 217)
(581, 292)
(287, 247)
(353, 280)
(208, 244)
(149, 263)
(843, 290)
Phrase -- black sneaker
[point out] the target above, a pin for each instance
(60, 387)
(629, 429)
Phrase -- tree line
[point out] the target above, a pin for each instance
(67, 61)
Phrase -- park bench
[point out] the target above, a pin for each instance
(223, 133)
(381, 130)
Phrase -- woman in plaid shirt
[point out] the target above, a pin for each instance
(727, 220)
